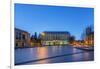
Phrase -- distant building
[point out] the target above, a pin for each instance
(22, 38)
(89, 36)
(89, 39)
(54, 38)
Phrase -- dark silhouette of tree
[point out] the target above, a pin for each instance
(71, 39)
(32, 38)
(35, 36)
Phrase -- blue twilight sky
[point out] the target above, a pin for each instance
(39, 18)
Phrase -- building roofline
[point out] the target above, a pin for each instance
(21, 30)
(56, 32)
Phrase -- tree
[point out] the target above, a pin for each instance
(71, 39)
(32, 38)
(35, 36)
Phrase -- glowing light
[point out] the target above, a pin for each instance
(43, 34)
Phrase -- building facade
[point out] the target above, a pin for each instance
(54, 38)
(89, 36)
(22, 38)
(89, 39)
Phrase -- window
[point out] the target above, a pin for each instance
(23, 36)
(16, 44)
(16, 35)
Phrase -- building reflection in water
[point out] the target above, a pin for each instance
(42, 53)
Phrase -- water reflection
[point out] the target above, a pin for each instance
(88, 55)
(63, 53)
(42, 53)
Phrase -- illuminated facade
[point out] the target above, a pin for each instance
(89, 36)
(89, 40)
(22, 38)
(54, 38)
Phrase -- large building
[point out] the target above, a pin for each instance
(22, 38)
(89, 36)
(55, 38)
